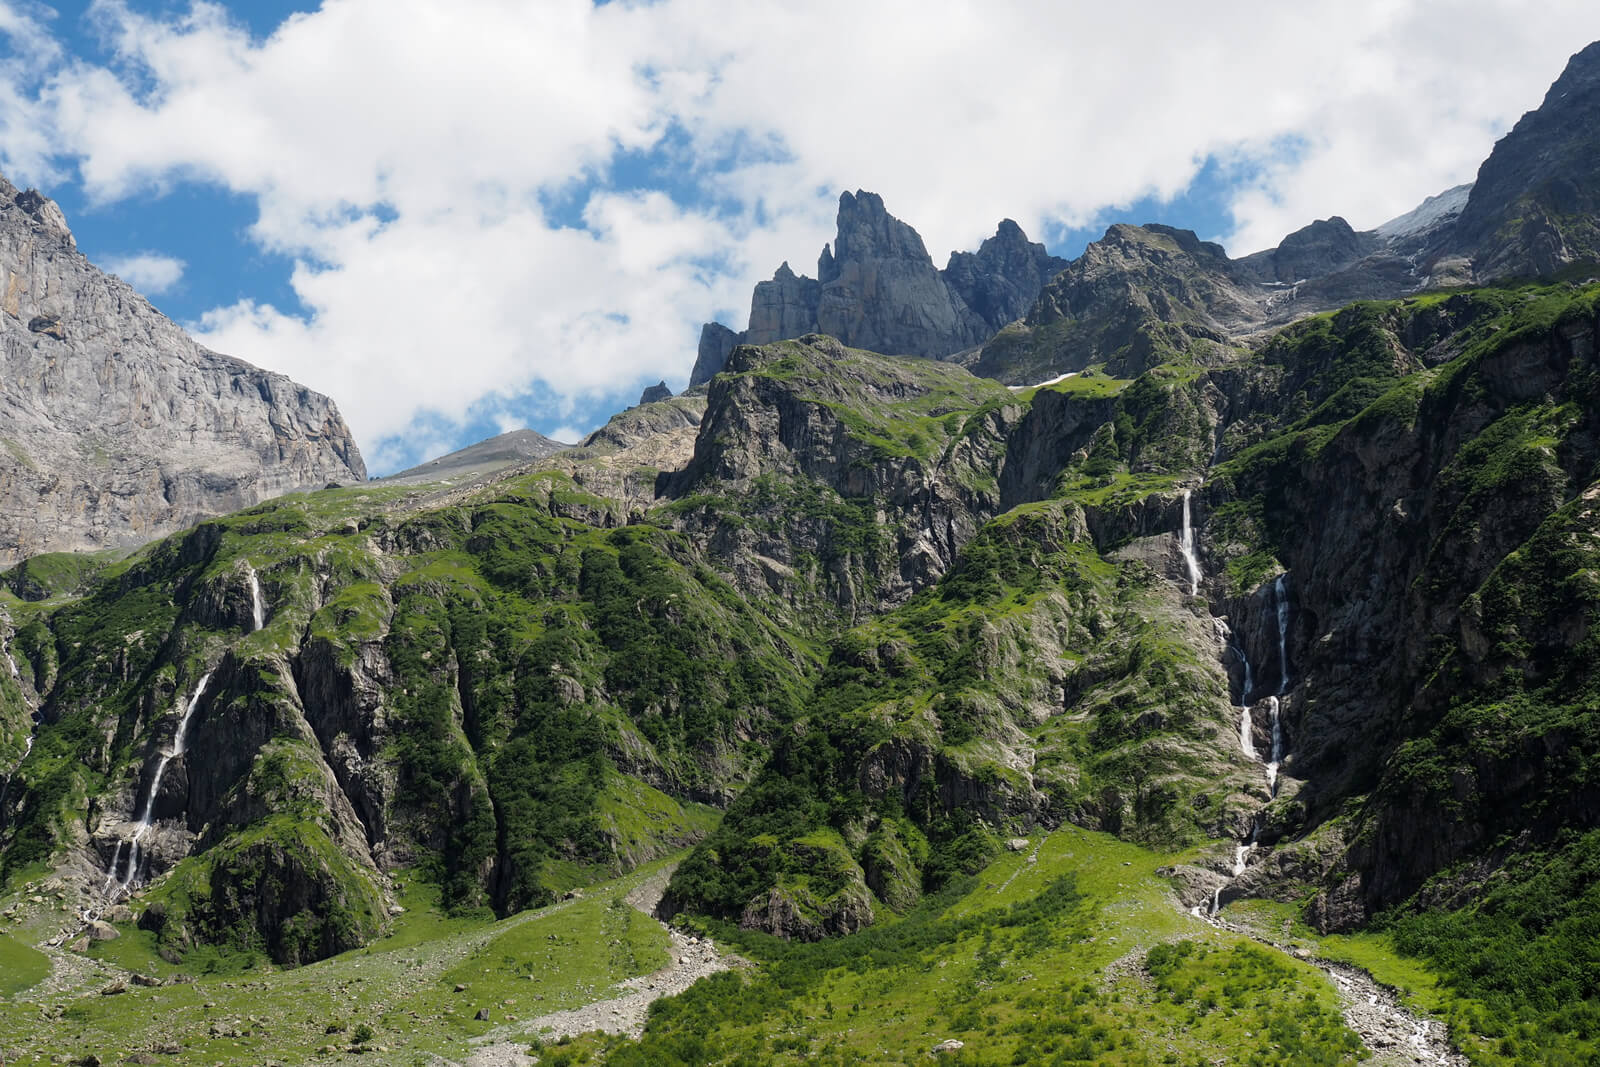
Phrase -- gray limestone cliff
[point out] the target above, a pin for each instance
(878, 289)
(115, 426)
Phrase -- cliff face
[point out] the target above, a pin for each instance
(1533, 208)
(1321, 608)
(878, 289)
(118, 427)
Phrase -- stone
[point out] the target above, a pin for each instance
(655, 393)
(102, 931)
(1017, 844)
(948, 1045)
(119, 427)
(877, 288)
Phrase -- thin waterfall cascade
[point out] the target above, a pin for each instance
(1216, 901)
(1186, 547)
(142, 826)
(258, 611)
(1280, 590)
(33, 728)
(1275, 760)
(1249, 677)
(1246, 739)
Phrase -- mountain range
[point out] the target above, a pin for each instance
(1253, 600)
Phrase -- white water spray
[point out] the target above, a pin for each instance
(1276, 758)
(1247, 742)
(258, 611)
(1280, 590)
(1186, 546)
(1240, 854)
(33, 727)
(142, 827)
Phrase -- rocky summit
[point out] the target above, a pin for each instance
(1199, 667)
(117, 427)
(877, 288)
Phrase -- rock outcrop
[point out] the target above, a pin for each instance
(878, 289)
(654, 393)
(117, 427)
(1534, 207)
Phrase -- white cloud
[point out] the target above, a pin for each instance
(403, 152)
(149, 272)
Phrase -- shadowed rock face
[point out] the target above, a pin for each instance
(1532, 210)
(116, 426)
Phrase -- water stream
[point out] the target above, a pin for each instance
(1186, 546)
(145, 821)
(1280, 591)
(33, 728)
(258, 611)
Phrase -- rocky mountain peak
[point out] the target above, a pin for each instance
(45, 213)
(1321, 248)
(877, 288)
(868, 231)
(119, 427)
(1533, 207)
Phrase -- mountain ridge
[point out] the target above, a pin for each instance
(117, 426)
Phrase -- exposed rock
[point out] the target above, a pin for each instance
(1311, 252)
(881, 291)
(1001, 280)
(118, 426)
(716, 344)
(1535, 206)
(878, 289)
(497, 453)
(784, 307)
(655, 393)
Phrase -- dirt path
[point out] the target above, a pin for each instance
(689, 960)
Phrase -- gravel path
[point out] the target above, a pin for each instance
(689, 960)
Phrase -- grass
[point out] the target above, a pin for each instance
(403, 987)
(1013, 963)
(21, 967)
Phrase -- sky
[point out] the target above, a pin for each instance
(461, 217)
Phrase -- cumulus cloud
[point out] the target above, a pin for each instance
(490, 200)
(149, 272)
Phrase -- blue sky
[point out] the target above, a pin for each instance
(459, 218)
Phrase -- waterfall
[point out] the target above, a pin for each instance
(258, 611)
(1186, 546)
(33, 728)
(144, 823)
(1246, 739)
(1273, 708)
(1249, 678)
(1216, 902)
(1280, 590)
